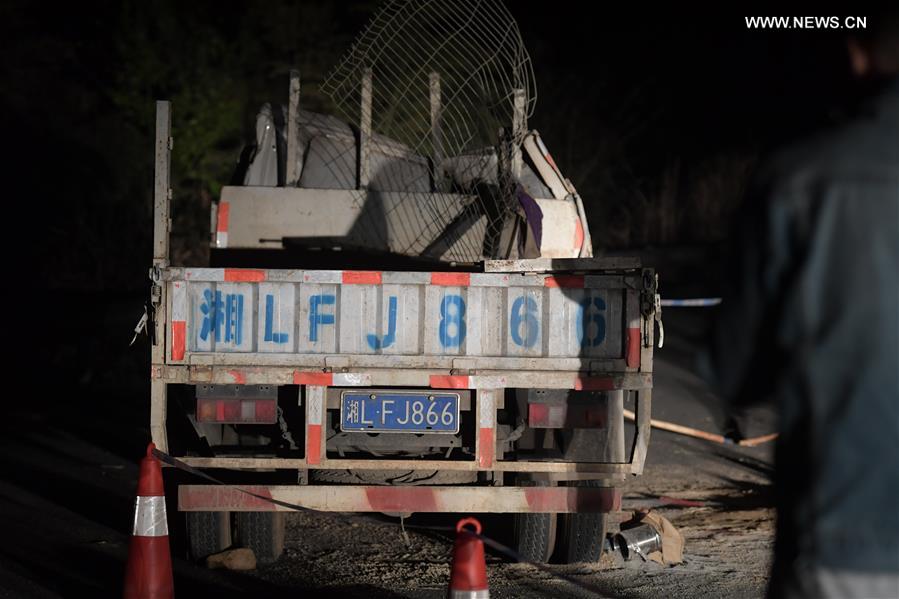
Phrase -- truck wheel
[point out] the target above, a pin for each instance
(535, 536)
(583, 536)
(207, 533)
(263, 532)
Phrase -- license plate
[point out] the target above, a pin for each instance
(399, 412)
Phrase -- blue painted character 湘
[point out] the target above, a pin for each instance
(222, 317)
(213, 314)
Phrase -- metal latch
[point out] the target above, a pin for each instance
(141, 326)
(147, 322)
(658, 316)
(651, 307)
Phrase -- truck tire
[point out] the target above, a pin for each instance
(263, 532)
(207, 533)
(583, 537)
(535, 536)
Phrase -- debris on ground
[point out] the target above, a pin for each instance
(652, 537)
(240, 558)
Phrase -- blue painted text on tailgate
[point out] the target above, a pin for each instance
(452, 321)
(315, 317)
(373, 341)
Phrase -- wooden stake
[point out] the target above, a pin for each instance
(698, 434)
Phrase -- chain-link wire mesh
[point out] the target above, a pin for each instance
(438, 83)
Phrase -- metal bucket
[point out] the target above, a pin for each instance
(640, 540)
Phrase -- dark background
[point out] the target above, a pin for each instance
(659, 119)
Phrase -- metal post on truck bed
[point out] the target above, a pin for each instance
(293, 125)
(162, 225)
(162, 190)
(519, 126)
(162, 199)
(365, 131)
(436, 131)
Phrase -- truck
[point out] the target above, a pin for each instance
(316, 364)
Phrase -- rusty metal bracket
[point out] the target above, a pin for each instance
(647, 296)
(153, 304)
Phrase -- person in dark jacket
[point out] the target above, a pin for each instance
(810, 318)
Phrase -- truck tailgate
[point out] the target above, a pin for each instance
(414, 319)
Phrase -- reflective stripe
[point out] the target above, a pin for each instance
(221, 225)
(351, 379)
(486, 448)
(487, 413)
(149, 517)
(483, 594)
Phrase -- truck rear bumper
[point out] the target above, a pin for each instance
(599, 469)
(351, 498)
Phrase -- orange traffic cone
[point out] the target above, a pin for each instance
(468, 578)
(148, 574)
